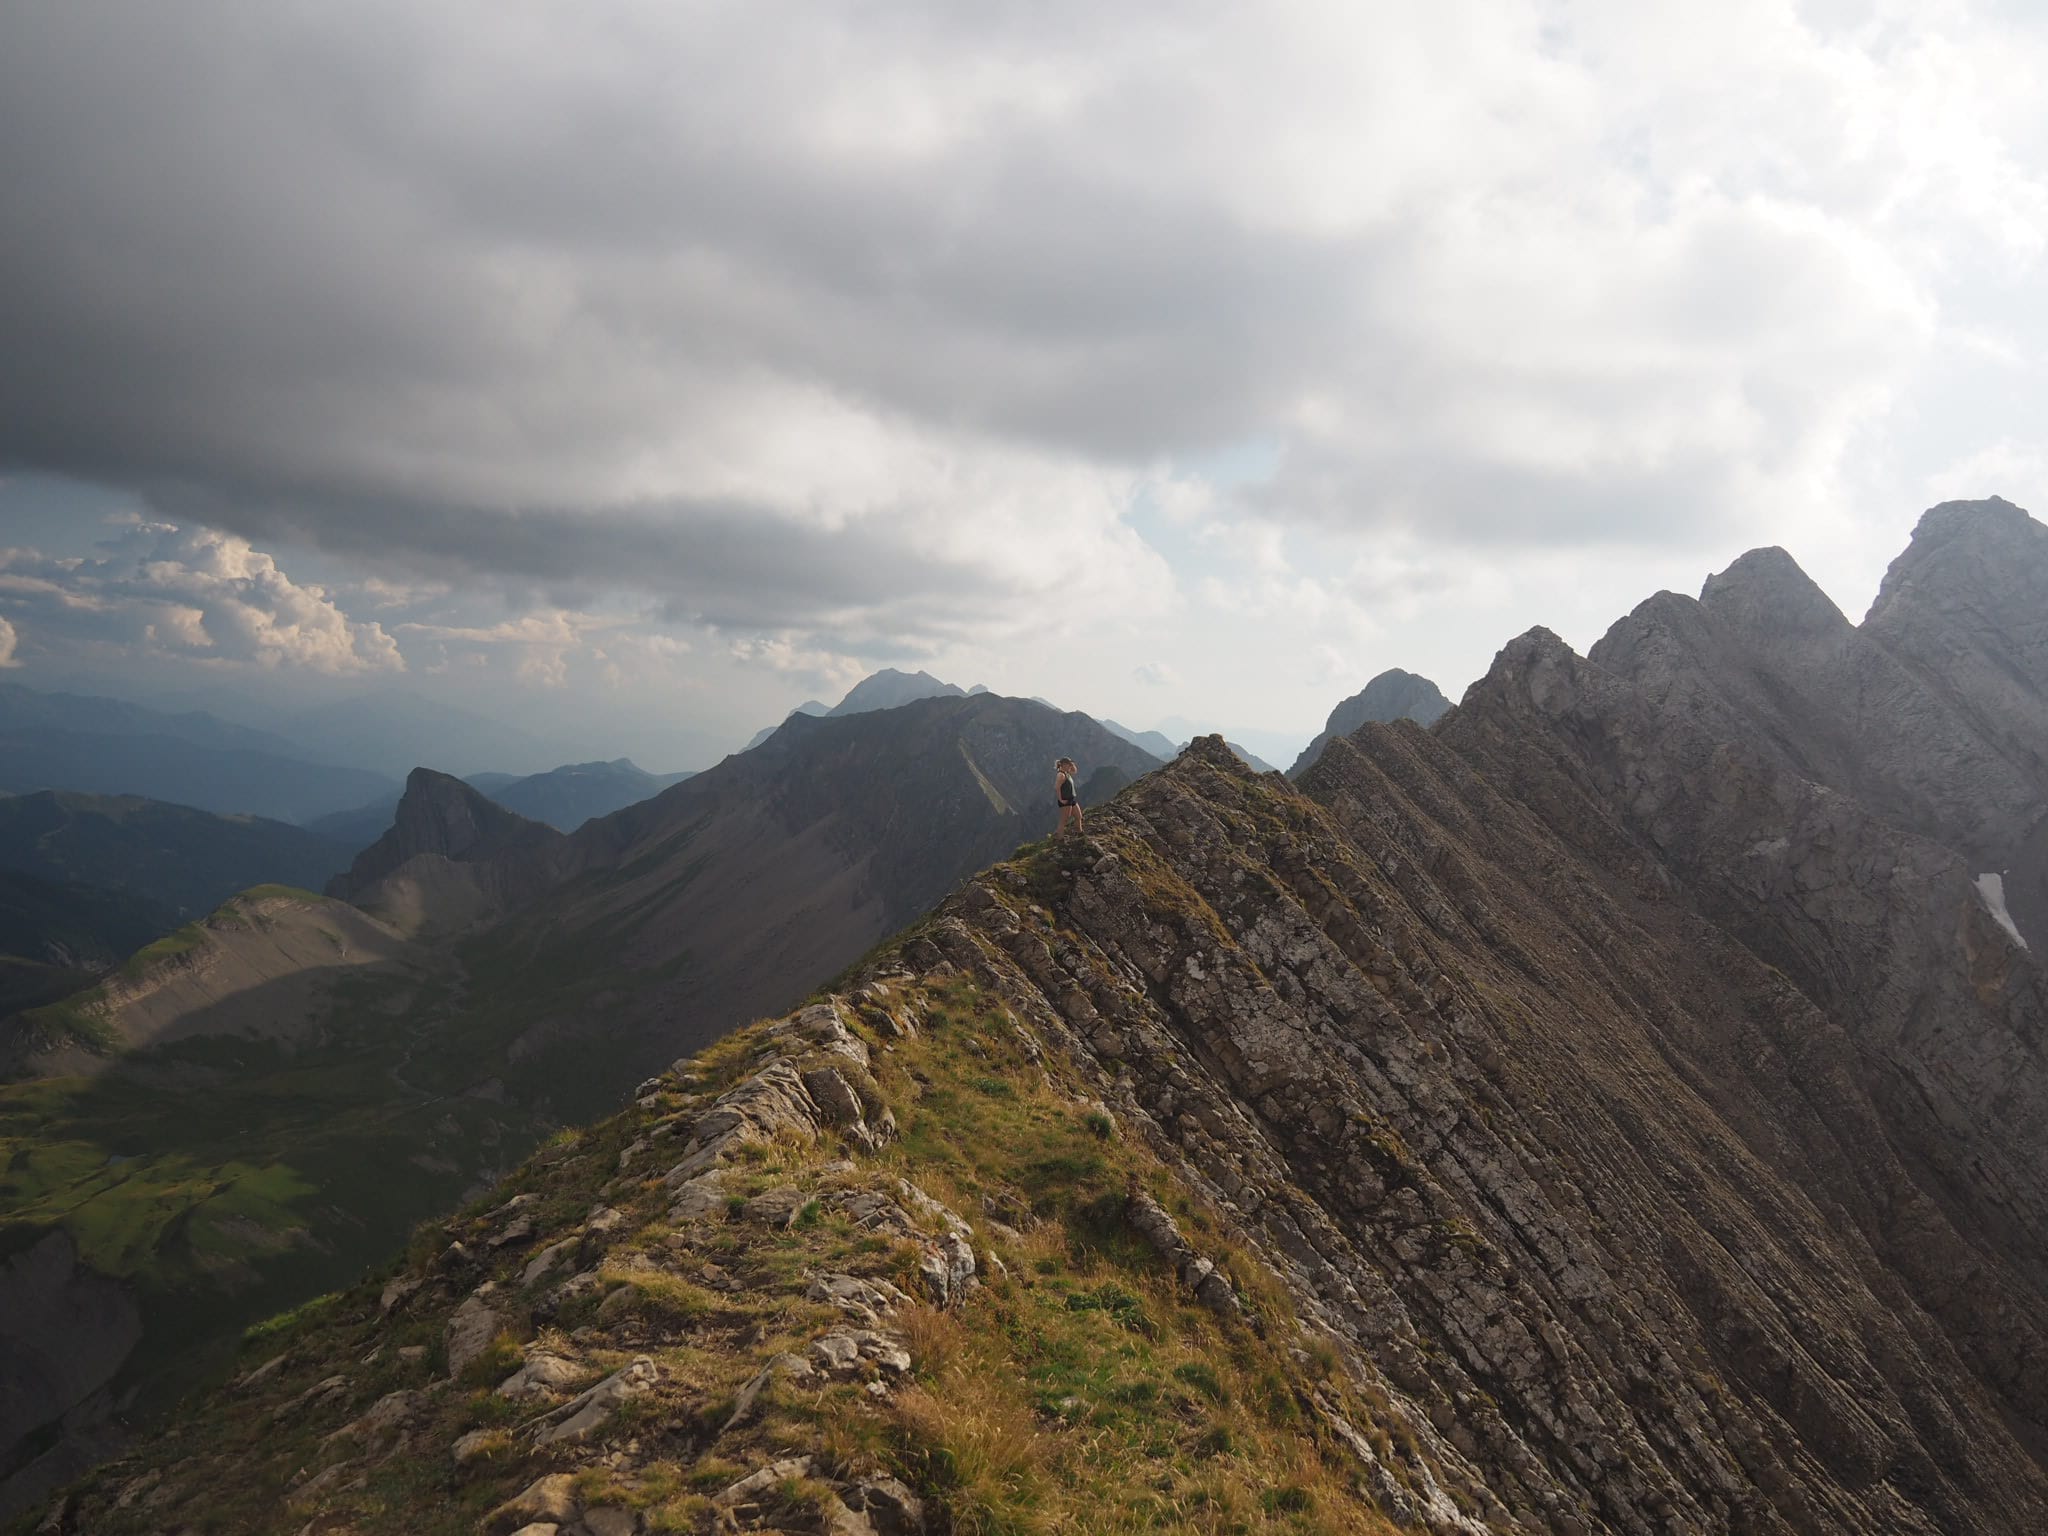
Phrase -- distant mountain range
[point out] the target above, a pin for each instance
(108, 747)
(1159, 745)
(182, 861)
(1393, 695)
(1617, 1107)
(563, 798)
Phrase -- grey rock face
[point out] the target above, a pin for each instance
(442, 817)
(1653, 1123)
(1765, 660)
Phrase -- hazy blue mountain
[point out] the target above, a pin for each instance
(393, 730)
(182, 860)
(168, 768)
(31, 709)
(1393, 695)
(1159, 746)
(566, 797)
(359, 826)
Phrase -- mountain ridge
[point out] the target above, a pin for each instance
(1618, 1103)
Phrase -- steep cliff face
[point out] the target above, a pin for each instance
(451, 859)
(1766, 659)
(65, 1333)
(1932, 714)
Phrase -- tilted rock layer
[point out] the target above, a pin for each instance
(1598, 1113)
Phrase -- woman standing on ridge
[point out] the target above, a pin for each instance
(1070, 803)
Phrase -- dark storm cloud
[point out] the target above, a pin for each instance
(717, 565)
(751, 306)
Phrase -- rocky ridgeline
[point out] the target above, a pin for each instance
(1616, 1109)
(733, 1309)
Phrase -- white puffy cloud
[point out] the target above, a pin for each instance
(196, 593)
(8, 641)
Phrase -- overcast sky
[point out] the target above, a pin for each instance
(638, 370)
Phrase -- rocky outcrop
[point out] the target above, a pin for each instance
(1636, 1222)
(1393, 695)
(450, 858)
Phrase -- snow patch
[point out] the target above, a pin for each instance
(1992, 889)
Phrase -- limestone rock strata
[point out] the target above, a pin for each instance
(1622, 1208)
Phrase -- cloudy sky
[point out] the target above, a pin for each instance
(637, 370)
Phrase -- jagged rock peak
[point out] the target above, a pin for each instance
(1766, 592)
(1534, 648)
(1964, 519)
(439, 814)
(1984, 546)
(1534, 671)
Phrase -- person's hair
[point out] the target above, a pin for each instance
(1064, 762)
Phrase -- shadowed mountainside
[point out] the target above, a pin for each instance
(731, 893)
(183, 860)
(553, 974)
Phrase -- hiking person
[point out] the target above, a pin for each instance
(1070, 802)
